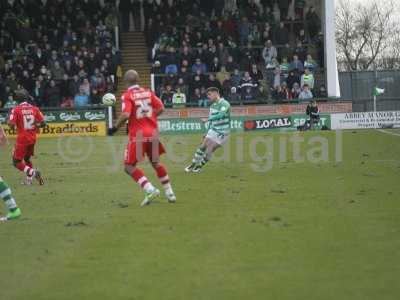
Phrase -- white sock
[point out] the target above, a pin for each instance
(168, 188)
(10, 204)
(148, 187)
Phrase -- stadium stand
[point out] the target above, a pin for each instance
(61, 52)
(255, 51)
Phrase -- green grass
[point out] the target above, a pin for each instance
(326, 230)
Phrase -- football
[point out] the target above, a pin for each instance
(109, 99)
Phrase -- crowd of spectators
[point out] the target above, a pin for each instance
(250, 49)
(61, 51)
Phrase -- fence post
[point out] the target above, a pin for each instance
(153, 82)
(116, 32)
(110, 116)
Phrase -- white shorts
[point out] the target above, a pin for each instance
(216, 137)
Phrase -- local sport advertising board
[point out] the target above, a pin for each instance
(366, 120)
(91, 122)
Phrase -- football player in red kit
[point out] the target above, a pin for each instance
(27, 119)
(141, 107)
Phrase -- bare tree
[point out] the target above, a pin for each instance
(366, 34)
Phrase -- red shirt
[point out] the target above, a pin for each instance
(26, 117)
(142, 106)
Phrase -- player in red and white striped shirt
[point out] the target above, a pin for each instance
(27, 119)
(141, 108)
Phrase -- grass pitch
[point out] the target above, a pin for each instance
(297, 223)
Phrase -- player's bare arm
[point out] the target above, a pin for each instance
(159, 111)
(119, 123)
(41, 124)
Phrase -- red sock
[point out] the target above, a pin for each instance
(25, 168)
(141, 179)
(29, 164)
(163, 175)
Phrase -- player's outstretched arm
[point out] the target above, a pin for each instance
(41, 124)
(118, 124)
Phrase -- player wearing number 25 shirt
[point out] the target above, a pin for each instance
(141, 108)
(27, 119)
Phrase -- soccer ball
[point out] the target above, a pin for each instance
(109, 99)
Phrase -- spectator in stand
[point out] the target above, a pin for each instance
(301, 51)
(178, 99)
(222, 75)
(307, 79)
(185, 74)
(310, 63)
(74, 85)
(269, 52)
(277, 78)
(306, 94)
(286, 92)
(292, 79)
(82, 98)
(38, 93)
(223, 54)
(85, 86)
(284, 66)
(52, 95)
(322, 92)
(186, 55)
(277, 95)
(215, 66)
(197, 97)
(248, 94)
(299, 9)
(98, 82)
(10, 103)
(204, 98)
(282, 35)
(95, 97)
(273, 65)
(136, 6)
(247, 81)
(125, 9)
(227, 85)
(302, 37)
(167, 95)
(64, 87)
(199, 66)
(296, 90)
(231, 64)
(236, 78)
(182, 86)
(256, 74)
(296, 65)
(213, 82)
(196, 83)
(313, 22)
(234, 96)
(244, 31)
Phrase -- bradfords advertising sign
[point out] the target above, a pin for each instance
(268, 123)
(68, 123)
(365, 120)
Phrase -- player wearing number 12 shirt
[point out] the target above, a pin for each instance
(27, 119)
(141, 108)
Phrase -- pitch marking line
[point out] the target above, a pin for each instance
(388, 132)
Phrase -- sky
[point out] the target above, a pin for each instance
(397, 7)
